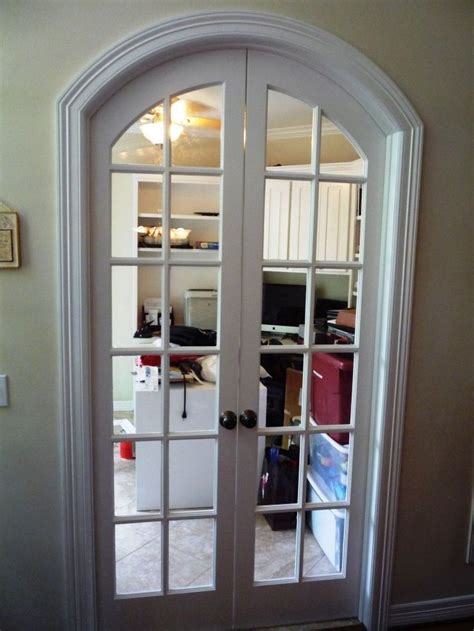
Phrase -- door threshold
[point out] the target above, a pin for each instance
(335, 625)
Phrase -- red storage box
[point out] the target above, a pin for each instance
(331, 391)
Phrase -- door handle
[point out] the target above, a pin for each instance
(228, 419)
(248, 418)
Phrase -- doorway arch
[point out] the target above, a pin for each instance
(399, 122)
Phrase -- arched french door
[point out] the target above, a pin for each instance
(239, 498)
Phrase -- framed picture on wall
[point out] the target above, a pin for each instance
(9, 238)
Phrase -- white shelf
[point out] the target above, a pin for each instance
(179, 216)
(181, 250)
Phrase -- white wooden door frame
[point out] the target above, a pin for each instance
(397, 119)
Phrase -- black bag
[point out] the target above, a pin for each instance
(279, 484)
(192, 336)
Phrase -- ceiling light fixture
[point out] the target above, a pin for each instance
(154, 130)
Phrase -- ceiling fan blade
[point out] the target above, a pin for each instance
(197, 121)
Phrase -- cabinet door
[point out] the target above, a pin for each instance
(335, 214)
(299, 220)
(277, 219)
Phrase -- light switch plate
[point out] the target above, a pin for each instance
(3, 391)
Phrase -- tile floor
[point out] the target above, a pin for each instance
(138, 547)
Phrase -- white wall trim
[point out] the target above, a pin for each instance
(394, 115)
(432, 611)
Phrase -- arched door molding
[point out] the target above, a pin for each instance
(392, 112)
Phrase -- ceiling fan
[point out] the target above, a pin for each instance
(187, 116)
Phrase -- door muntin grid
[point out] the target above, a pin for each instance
(309, 259)
(147, 270)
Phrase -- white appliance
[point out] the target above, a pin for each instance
(200, 308)
(192, 463)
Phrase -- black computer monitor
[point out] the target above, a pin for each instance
(283, 308)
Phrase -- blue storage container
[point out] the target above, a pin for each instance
(328, 462)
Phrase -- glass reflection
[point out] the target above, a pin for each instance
(195, 131)
(289, 130)
(191, 553)
(283, 306)
(193, 307)
(134, 323)
(335, 310)
(328, 466)
(192, 468)
(278, 460)
(331, 391)
(338, 154)
(138, 557)
(323, 554)
(137, 477)
(338, 233)
(142, 141)
(282, 377)
(275, 546)
(195, 212)
(287, 220)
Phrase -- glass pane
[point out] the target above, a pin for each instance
(149, 214)
(338, 154)
(286, 234)
(136, 209)
(137, 394)
(194, 298)
(331, 391)
(136, 306)
(138, 557)
(338, 227)
(335, 311)
(142, 142)
(289, 125)
(195, 131)
(193, 404)
(275, 546)
(192, 471)
(137, 477)
(281, 375)
(123, 389)
(324, 554)
(283, 305)
(191, 553)
(328, 468)
(278, 462)
(195, 213)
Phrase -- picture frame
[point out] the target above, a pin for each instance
(9, 238)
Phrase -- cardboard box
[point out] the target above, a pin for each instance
(346, 317)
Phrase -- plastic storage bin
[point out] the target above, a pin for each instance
(327, 526)
(328, 466)
(331, 391)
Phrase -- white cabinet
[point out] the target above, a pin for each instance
(336, 221)
(194, 202)
(287, 220)
(192, 463)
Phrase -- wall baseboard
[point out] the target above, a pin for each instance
(123, 406)
(432, 610)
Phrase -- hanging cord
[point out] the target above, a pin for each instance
(183, 372)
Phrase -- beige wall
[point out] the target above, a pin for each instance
(425, 46)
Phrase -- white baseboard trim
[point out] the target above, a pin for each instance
(123, 406)
(432, 610)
